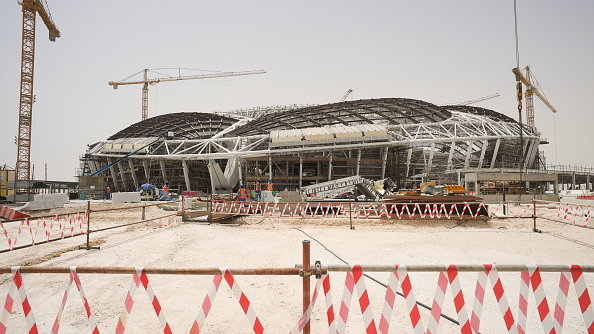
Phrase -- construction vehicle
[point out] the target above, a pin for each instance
(30, 9)
(146, 81)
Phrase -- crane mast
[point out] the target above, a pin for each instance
(146, 82)
(30, 9)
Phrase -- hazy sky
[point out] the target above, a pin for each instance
(437, 51)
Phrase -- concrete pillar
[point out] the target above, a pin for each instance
(497, 143)
(124, 184)
(240, 171)
(113, 176)
(430, 163)
(588, 184)
(384, 159)
(358, 161)
(145, 166)
(300, 171)
(408, 159)
(133, 173)
(330, 167)
(573, 180)
(468, 153)
(270, 167)
(187, 176)
(451, 155)
(483, 151)
(162, 165)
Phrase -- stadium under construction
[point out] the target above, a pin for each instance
(408, 141)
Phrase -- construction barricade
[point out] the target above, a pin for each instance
(356, 210)
(568, 213)
(26, 232)
(470, 299)
(33, 231)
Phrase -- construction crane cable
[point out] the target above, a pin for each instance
(423, 305)
(516, 33)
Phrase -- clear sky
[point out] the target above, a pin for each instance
(437, 51)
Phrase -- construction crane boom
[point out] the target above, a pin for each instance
(30, 9)
(344, 97)
(530, 90)
(480, 99)
(146, 82)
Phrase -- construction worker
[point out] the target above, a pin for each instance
(166, 188)
(107, 193)
(258, 190)
(242, 193)
(270, 185)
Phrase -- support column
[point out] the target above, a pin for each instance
(133, 173)
(430, 162)
(483, 151)
(124, 184)
(300, 171)
(330, 167)
(113, 175)
(451, 155)
(497, 143)
(384, 160)
(588, 184)
(187, 175)
(468, 153)
(573, 180)
(408, 159)
(162, 165)
(270, 167)
(358, 161)
(145, 166)
(240, 172)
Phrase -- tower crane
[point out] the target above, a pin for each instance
(146, 81)
(30, 9)
(530, 90)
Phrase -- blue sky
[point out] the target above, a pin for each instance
(437, 51)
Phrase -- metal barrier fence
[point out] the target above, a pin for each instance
(552, 317)
(356, 210)
(27, 232)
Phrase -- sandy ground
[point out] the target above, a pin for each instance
(258, 242)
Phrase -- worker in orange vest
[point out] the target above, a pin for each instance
(166, 188)
(270, 185)
(242, 193)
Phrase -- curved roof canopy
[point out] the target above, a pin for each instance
(390, 111)
(185, 125)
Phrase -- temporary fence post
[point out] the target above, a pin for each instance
(209, 207)
(143, 212)
(306, 282)
(534, 229)
(351, 213)
(88, 246)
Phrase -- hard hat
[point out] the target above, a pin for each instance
(241, 185)
(269, 180)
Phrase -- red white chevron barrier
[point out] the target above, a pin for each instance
(32, 231)
(552, 322)
(551, 317)
(568, 213)
(356, 210)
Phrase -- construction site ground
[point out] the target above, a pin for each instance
(250, 242)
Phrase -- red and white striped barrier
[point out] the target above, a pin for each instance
(11, 298)
(140, 277)
(90, 318)
(355, 210)
(32, 231)
(552, 322)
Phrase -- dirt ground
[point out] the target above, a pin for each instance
(252, 242)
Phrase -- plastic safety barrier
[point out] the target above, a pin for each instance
(356, 210)
(32, 231)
